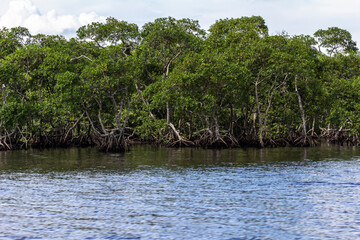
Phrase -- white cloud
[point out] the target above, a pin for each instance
(24, 13)
(86, 18)
(293, 16)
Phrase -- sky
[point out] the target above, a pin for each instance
(295, 17)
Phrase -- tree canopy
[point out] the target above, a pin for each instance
(173, 83)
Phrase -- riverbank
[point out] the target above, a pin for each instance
(21, 141)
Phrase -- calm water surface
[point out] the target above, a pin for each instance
(160, 193)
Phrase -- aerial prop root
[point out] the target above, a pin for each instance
(180, 140)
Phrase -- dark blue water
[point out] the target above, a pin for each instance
(159, 193)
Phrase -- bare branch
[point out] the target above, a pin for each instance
(82, 56)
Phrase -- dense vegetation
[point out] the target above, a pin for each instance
(173, 83)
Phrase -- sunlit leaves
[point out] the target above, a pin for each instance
(335, 40)
(232, 76)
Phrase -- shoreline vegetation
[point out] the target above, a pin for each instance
(173, 83)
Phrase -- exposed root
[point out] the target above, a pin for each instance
(111, 143)
(180, 141)
(206, 138)
(340, 136)
(305, 141)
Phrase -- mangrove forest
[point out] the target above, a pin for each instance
(172, 83)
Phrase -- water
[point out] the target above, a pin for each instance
(159, 193)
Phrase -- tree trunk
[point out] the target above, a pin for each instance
(3, 92)
(313, 128)
(143, 99)
(178, 136)
(118, 112)
(127, 114)
(217, 128)
(231, 120)
(259, 116)
(301, 108)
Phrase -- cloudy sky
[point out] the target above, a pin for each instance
(293, 16)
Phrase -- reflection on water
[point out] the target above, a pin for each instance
(161, 193)
(152, 156)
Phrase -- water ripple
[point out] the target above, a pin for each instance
(316, 200)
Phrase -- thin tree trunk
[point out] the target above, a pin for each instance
(178, 136)
(76, 124)
(127, 113)
(231, 120)
(301, 108)
(313, 127)
(143, 99)
(102, 124)
(118, 112)
(3, 92)
(217, 128)
(259, 116)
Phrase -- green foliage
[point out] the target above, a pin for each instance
(237, 31)
(112, 32)
(170, 78)
(335, 40)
